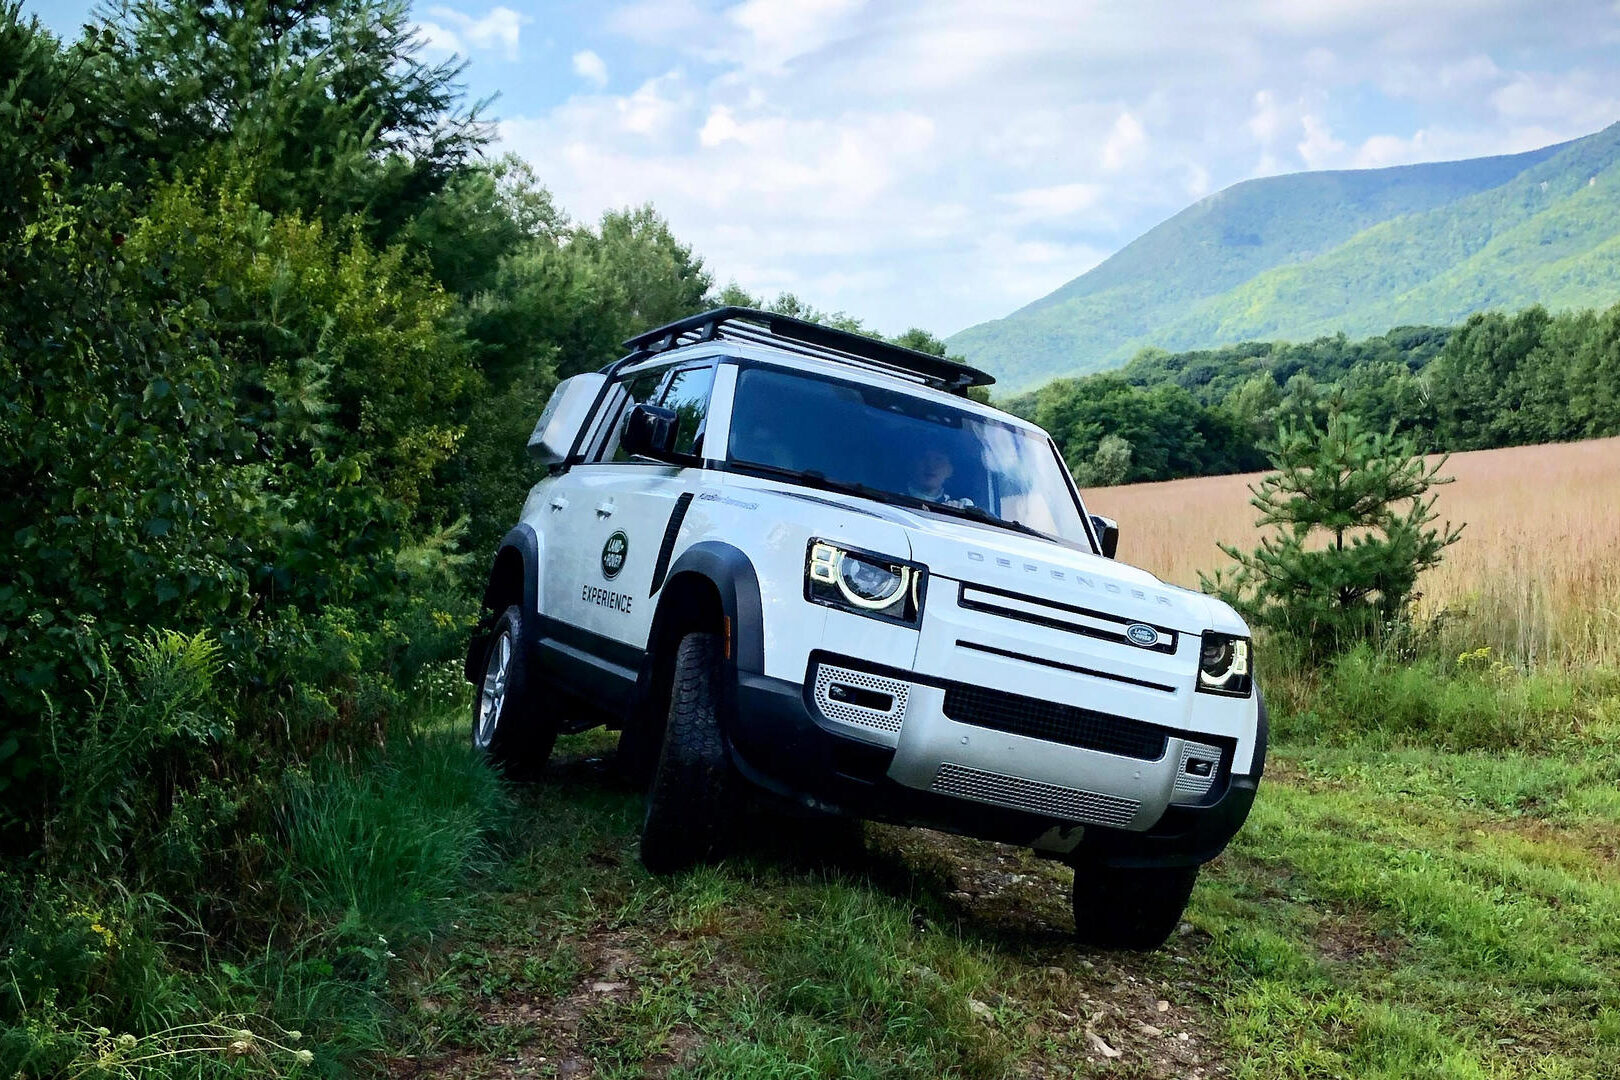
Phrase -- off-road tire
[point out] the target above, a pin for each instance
(1130, 908)
(519, 737)
(689, 798)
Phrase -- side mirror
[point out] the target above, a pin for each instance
(650, 432)
(1107, 530)
(566, 412)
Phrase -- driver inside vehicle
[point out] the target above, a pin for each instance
(929, 472)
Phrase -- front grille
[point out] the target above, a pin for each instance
(1053, 722)
(1052, 800)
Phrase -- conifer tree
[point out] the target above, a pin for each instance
(1353, 514)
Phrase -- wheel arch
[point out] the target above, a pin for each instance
(730, 574)
(514, 578)
(712, 586)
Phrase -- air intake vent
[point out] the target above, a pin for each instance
(1050, 800)
(1200, 764)
(860, 698)
(1048, 720)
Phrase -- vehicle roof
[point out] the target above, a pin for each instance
(792, 334)
(834, 369)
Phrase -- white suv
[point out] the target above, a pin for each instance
(781, 556)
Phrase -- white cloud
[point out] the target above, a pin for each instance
(1445, 144)
(1575, 97)
(779, 30)
(1057, 201)
(450, 31)
(938, 162)
(719, 127)
(1268, 119)
(654, 108)
(590, 67)
(1318, 149)
(438, 39)
(1125, 143)
(1196, 183)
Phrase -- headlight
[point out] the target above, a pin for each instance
(1225, 665)
(865, 583)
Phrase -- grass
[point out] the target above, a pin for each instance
(1534, 577)
(1400, 904)
(1391, 910)
(367, 861)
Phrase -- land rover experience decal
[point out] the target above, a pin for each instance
(613, 553)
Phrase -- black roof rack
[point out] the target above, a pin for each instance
(811, 339)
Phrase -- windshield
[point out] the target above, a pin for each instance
(902, 448)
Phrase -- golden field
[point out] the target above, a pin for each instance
(1536, 575)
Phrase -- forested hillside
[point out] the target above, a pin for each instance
(1497, 380)
(1301, 256)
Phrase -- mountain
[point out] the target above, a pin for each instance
(1295, 257)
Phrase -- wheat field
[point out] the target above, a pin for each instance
(1536, 575)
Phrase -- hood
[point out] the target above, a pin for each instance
(1030, 566)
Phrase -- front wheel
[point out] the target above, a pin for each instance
(689, 798)
(509, 722)
(1130, 908)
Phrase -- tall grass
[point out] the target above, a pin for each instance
(361, 862)
(1535, 577)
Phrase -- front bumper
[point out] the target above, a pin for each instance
(782, 742)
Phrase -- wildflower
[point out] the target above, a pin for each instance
(126, 1041)
(304, 1057)
(294, 1035)
(244, 1034)
(239, 1048)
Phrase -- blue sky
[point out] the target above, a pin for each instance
(940, 162)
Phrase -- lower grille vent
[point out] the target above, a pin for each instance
(1052, 800)
(1053, 722)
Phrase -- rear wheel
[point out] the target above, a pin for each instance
(689, 797)
(510, 724)
(1130, 908)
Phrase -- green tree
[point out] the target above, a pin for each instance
(1110, 465)
(332, 99)
(1352, 512)
(1472, 380)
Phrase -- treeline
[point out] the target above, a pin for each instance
(1496, 380)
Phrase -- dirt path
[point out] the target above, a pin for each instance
(586, 967)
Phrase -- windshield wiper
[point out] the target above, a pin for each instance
(816, 478)
(980, 514)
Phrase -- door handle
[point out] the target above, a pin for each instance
(605, 508)
(559, 503)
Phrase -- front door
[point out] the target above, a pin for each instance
(623, 505)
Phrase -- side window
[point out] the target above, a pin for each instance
(626, 395)
(688, 395)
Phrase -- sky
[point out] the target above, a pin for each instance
(937, 163)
